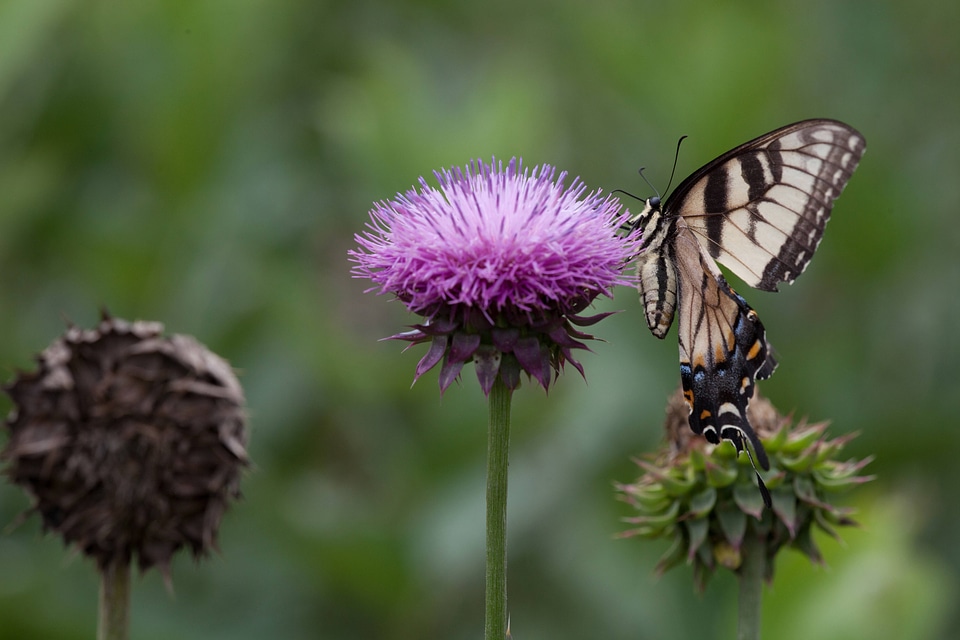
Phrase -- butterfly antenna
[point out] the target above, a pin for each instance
(653, 188)
(676, 157)
(649, 184)
(626, 193)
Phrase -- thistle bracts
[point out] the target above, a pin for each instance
(539, 347)
(705, 498)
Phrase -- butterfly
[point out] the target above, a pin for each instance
(759, 210)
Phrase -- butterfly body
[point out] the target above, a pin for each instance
(759, 210)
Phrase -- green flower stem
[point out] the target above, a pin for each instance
(114, 623)
(751, 588)
(498, 456)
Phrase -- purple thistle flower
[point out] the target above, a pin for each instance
(499, 261)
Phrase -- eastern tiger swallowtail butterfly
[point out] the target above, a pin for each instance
(759, 210)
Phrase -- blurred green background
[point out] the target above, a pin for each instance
(206, 164)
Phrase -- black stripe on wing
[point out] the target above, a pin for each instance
(835, 171)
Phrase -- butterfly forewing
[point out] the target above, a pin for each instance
(760, 209)
(656, 271)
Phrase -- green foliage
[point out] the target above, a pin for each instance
(206, 163)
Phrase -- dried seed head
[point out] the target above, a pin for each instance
(129, 443)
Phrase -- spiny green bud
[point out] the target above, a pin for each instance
(705, 497)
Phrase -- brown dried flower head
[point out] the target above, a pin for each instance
(128, 442)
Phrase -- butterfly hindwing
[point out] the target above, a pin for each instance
(723, 349)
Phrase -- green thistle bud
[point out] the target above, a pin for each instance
(705, 497)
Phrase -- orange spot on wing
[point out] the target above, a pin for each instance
(754, 350)
(719, 355)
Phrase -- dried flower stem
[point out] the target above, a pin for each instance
(498, 457)
(114, 623)
(751, 588)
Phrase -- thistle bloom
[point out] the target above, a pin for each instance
(500, 262)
